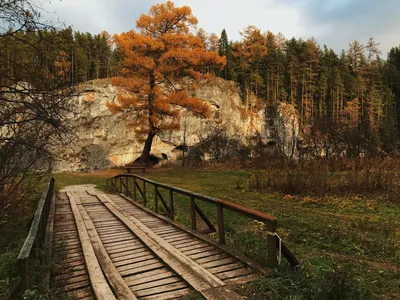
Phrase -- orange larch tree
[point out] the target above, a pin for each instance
(161, 65)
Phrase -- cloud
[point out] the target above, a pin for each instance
(97, 15)
(335, 23)
(339, 22)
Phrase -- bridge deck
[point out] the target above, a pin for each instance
(108, 247)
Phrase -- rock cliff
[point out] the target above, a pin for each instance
(102, 136)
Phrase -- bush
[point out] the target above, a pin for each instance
(320, 177)
(96, 158)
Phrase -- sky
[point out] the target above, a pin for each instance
(335, 23)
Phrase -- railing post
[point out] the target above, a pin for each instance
(134, 189)
(23, 272)
(127, 185)
(221, 227)
(144, 193)
(120, 184)
(155, 198)
(171, 205)
(271, 240)
(193, 213)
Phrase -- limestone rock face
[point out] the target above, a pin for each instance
(287, 130)
(117, 142)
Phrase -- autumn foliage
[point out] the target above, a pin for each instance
(161, 66)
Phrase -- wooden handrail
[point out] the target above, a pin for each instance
(257, 215)
(270, 221)
(35, 236)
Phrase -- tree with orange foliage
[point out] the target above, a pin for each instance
(161, 63)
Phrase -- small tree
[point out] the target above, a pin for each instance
(161, 63)
(33, 102)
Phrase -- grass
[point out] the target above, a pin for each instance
(349, 245)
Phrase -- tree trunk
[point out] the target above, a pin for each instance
(144, 159)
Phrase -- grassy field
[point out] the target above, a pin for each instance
(349, 246)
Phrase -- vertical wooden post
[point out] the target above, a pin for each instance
(23, 272)
(171, 205)
(120, 184)
(127, 186)
(134, 189)
(271, 240)
(155, 198)
(221, 227)
(193, 212)
(144, 193)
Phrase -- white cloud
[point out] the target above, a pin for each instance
(331, 22)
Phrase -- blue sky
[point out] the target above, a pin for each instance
(332, 22)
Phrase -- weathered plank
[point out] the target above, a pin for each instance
(97, 279)
(198, 277)
(120, 288)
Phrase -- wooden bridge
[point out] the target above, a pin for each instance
(111, 246)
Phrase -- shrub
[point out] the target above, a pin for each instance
(96, 158)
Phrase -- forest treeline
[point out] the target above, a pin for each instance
(64, 55)
(355, 91)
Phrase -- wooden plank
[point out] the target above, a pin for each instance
(192, 247)
(67, 275)
(205, 219)
(77, 285)
(161, 289)
(243, 279)
(147, 276)
(48, 241)
(228, 267)
(156, 283)
(234, 273)
(125, 249)
(82, 293)
(134, 260)
(183, 266)
(195, 251)
(220, 293)
(205, 254)
(187, 243)
(183, 241)
(219, 262)
(119, 286)
(28, 244)
(142, 269)
(125, 254)
(138, 265)
(198, 277)
(72, 279)
(212, 258)
(99, 283)
(170, 295)
(131, 256)
(251, 263)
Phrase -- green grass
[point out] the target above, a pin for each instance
(349, 246)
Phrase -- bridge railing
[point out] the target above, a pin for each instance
(121, 184)
(35, 240)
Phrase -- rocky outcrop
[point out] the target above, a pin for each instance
(110, 137)
(287, 130)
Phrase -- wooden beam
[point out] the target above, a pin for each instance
(271, 244)
(198, 277)
(160, 196)
(99, 284)
(48, 241)
(204, 217)
(251, 263)
(121, 289)
(221, 225)
(171, 205)
(193, 213)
